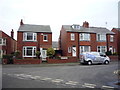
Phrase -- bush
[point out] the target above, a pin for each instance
(50, 52)
(38, 54)
(108, 53)
(9, 58)
(115, 53)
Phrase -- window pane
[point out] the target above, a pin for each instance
(35, 36)
(0, 40)
(29, 51)
(24, 51)
(34, 51)
(72, 36)
(4, 41)
(45, 38)
(29, 36)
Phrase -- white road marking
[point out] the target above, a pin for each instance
(88, 85)
(45, 78)
(107, 87)
(72, 83)
(57, 80)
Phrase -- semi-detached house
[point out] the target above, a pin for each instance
(8, 44)
(75, 39)
(32, 38)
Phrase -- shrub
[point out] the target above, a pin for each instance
(38, 54)
(108, 53)
(9, 58)
(50, 52)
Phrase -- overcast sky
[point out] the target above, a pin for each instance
(57, 13)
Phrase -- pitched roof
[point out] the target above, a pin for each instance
(101, 30)
(34, 28)
(55, 44)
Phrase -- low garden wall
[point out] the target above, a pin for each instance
(62, 60)
(114, 57)
(27, 61)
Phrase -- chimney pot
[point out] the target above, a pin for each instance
(21, 22)
(86, 24)
(12, 33)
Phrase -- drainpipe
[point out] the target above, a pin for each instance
(78, 46)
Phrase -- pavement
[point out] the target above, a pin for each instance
(44, 64)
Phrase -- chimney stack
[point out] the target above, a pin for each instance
(21, 22)
(12, 33)
(86, 24)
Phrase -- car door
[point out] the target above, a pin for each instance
(102, 57)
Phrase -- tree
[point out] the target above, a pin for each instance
(50, 52)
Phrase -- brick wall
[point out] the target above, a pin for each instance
(27, 61)
(69, 60)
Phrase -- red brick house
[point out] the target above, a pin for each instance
(117, 37)
(32, 38)
(7, 43)
(75, 39)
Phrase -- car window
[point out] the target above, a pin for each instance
(95, 53)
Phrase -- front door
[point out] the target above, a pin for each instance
(43, 54)
(74, 51)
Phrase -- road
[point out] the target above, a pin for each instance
(74, 76)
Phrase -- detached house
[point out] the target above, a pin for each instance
(8, 44)
(32, 38)
(75, 39)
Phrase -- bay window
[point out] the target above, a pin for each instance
(101, 49)
(29, 51)
(29, 36)
(84, 49)
(101, 37)
(84, 36)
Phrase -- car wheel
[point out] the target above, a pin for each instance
(106, 62)
(89, 62)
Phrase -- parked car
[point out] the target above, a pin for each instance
(94, 58)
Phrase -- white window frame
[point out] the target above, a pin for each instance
(69, 49)
(72, 36)
(45, 35)
(101, 37)
(25, 53)
(82, 49)
(3, 41)
(82, 37)
(34, 36)
(101, 47)
(111, 38)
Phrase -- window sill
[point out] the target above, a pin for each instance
(29, 56)
(29, 41)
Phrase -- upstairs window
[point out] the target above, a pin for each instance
(84, 37)
(111, 38)
(72, 36)
(45, 37)
(101, 37)
(2, 41)
(29, 36)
